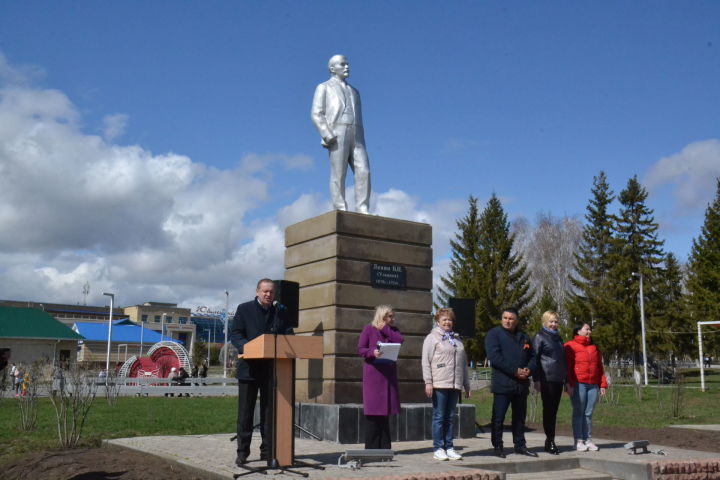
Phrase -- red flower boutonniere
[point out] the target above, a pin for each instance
(526, 346)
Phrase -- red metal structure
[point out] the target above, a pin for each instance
(162, 358)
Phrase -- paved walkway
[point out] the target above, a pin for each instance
(214, 456)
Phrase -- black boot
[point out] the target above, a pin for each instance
(551, 448)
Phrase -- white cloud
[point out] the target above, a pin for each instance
(114, 126)
(691, 173)
(78, 208)
(306, 206)
(18, 75)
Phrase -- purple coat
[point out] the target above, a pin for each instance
(380, 383)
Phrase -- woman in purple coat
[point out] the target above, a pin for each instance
(380, 384)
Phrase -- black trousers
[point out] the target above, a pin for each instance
(377, 431)
(501, 403)
(247, 397)
(551, 393)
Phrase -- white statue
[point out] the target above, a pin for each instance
(337, 115)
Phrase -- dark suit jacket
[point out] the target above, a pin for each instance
(251, 321)
(507, 352)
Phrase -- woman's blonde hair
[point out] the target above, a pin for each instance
(380, 312)
(445, 312)
(549, 315)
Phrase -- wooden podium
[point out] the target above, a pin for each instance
(289, 347)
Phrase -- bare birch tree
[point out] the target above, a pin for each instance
(549, 247)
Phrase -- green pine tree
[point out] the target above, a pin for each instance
(504, 276)
(199, 351)
(669, 332)
(463, 275)
(485, 267)
(703, 280)
(592, 261)
(463, 278)
(635, 249)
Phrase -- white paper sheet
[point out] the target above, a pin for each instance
(389, 351)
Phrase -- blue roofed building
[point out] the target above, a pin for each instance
(177, 323)
(128, 339)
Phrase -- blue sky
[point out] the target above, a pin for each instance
(168, 144)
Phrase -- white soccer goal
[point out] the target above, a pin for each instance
(700, 348)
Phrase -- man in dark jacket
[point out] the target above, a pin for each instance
(252, 319)
(513, 361)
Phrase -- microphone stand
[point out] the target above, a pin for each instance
(272, 460)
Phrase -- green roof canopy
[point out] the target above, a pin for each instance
(33, 323)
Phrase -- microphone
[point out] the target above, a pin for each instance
(276, 324)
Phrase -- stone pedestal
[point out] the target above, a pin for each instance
(345, 423)
(330, 257)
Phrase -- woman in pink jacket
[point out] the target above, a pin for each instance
(585, 384)
(445, 373)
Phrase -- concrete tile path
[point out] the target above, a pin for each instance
(214, 457)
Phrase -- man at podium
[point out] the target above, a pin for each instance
(252, 319)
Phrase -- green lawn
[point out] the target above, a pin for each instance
(130, 417)
(621, 406)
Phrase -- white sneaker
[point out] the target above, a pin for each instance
(452, 454)
(581, 447)
(589, 445)
(440, 454)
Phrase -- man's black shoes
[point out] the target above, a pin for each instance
(498, 452)
(524, 451)
(551, 448)
(240, 460)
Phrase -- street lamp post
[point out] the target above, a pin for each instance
(142, 334)
(107, 360)
(642, 324)
(227, 303)
(162, 327)
(208, 359)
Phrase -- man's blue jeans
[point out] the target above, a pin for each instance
(444, 401)
(584, 399)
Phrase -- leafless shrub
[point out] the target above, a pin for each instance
(72, 394)
(28, 399)
(5, 382)
(677, 399)
(112, 387)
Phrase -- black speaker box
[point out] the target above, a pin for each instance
(464, 309)
(288, 293)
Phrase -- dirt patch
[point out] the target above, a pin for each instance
(121, 464)
(95, 464)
